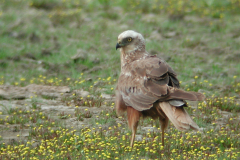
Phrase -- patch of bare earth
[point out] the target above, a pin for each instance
(47, 100)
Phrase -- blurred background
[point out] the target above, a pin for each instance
(59, 42)
(59, 67)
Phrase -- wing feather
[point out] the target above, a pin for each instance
(150, 80)
(155, 88)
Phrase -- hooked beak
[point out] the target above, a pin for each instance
(118, 46)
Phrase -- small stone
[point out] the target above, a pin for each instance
(96, 61)
(46, 52)
(170, 34)
(138, 138)
(148, 129)
(156, 36)
(34, 38)
(80, 56)
(106, 96)
(81, 93)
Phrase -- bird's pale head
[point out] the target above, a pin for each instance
(131, 41)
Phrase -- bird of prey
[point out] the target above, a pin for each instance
(148, 87)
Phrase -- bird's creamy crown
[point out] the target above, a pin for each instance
(133, 49)
(133, 34)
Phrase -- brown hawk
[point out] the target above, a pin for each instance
(148, 87)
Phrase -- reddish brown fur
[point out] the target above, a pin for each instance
(147, 80)
(154, 112)
(133, 117)
(120, 105)
(162, 117)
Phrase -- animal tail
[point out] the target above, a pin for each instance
(186, 95)
(178, 116)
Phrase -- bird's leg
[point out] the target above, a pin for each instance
(164, 124)
(163, 119)
(134, 129)
(162, 135)
(133, 118)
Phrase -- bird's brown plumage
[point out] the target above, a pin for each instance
(148, 87)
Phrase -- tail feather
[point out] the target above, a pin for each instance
(178, 116)
(186, 95)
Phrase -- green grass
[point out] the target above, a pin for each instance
(199, 39)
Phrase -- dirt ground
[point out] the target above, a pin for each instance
(48, 100)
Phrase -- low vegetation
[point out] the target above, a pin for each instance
(72, 43)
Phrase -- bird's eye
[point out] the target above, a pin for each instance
(129, 39)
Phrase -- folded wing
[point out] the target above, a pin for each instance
(144, 82)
